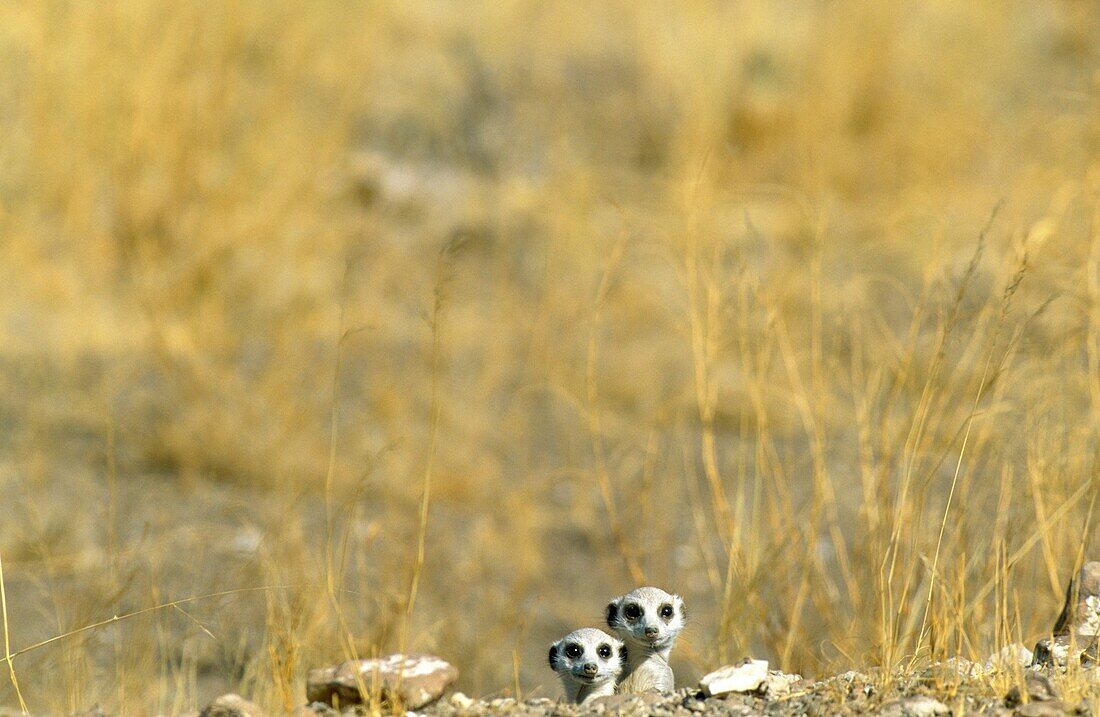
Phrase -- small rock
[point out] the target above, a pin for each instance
(413, 680)
(777, 683)
(461, 701)
(916, 706)
(694, 705)
(745, 677)
(1010, 657)
(231, 705)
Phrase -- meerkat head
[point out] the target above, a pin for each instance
(588, 657)
(647, 617)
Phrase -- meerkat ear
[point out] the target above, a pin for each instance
(554, 656)
(612, 613)
(622, 653)
(683, 608)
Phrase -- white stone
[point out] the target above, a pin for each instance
(1009, 658)
(746, 677)
(461, 701)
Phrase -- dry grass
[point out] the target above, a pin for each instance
(437, 324)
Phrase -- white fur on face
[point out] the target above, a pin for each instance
(647, 617)
(586, 660)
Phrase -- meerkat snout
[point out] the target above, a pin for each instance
(589, 663)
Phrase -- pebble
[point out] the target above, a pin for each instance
(693, 704)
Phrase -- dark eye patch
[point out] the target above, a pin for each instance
(667, 611)
(574, 650)
(604, 651)
(632, 612)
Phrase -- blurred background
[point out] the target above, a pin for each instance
(435, 325)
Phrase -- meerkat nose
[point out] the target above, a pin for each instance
(651, 632)
(591, 668)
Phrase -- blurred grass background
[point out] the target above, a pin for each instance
(689, 293)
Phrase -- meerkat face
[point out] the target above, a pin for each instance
(588, 656)
(649, 617)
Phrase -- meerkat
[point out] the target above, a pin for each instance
(648, 620)
(589, 663)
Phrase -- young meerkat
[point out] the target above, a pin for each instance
(648, 620)
(589, 663)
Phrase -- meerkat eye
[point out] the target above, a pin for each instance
(573, 650)
(632, 612)
(604, 651)
(666, 611)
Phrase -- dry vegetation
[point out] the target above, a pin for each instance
(690, 293)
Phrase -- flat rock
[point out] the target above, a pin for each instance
(747, 676)
(231, 705)
(413, 680)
